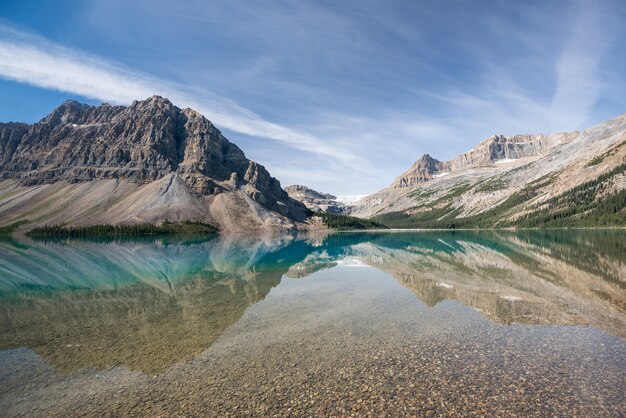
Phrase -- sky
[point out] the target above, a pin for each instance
(341, 96)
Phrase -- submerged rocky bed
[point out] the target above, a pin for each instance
(308, 349)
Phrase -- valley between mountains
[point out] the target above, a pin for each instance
(152, 162)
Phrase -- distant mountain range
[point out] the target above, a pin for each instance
(152, 162)
(145, 163)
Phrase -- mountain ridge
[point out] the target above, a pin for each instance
(562, 179)
(151, 162)
(495, 149)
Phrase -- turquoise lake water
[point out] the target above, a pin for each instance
(406, 323)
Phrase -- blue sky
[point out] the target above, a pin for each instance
(340, 96)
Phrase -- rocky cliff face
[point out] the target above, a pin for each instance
(151, 149)
(314, 200)
(500, 147)
(494, 150)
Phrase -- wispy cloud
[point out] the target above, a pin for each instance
(364, 88)
(579, 82)
(30, 59)
(551, 89)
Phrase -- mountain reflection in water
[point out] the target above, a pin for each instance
(147, 305)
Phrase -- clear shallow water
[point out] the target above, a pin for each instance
(399, 323)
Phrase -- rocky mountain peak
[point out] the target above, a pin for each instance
(73, 113)
(426, 163)
(141, 143)
(421, 171)
(69, 111)
(153, 103)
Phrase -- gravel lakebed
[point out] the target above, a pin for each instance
(348, 341)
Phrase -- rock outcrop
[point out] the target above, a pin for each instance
(314, 200)
(500, 147)
(140, 162)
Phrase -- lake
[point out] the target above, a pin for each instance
(389, 324)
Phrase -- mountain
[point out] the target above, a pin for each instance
(314, 200)
(562, 179)
(145, 163)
